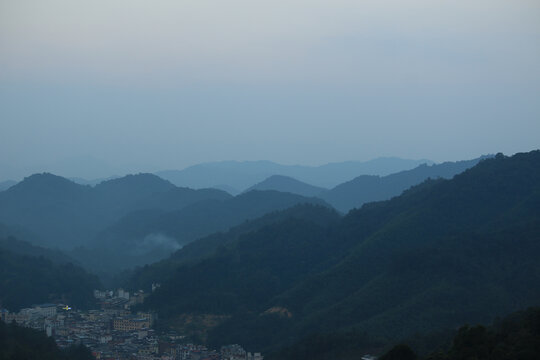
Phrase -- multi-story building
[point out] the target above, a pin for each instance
(45, 310)
(130, 324)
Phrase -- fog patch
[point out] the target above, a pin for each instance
(157, 242)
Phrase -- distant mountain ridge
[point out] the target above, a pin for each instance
(288, 184)
(4, 185)
(368, 188)
(242, 175)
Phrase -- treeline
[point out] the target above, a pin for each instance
(515, 337)
(20, 343)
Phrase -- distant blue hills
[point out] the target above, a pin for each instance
(146, 217)
(240, 175)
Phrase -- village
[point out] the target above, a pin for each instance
(115, 332)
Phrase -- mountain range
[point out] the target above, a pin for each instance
(64, 214)
(367, 188)
(237, 176)
(138, 219)
(444, 253)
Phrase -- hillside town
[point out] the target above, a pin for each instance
(115, 332)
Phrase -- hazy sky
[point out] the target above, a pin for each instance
(91, 88)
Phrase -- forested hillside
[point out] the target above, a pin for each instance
(61, 213)
(428, 259)
(145, 236)
(20, 247)
(27, 280)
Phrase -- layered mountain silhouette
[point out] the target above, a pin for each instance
(242, 175)
(288, 184)
(368, 188)
(444, 253)
(65, 214)
(149, 235)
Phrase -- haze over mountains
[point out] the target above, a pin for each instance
(149, 235)
(238, 176)
(425, 249)
(145, 218)
(367, 188)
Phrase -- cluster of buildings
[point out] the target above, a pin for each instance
(114, 332)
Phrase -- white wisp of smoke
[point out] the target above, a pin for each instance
(159, 242)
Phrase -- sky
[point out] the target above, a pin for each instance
(103, 87)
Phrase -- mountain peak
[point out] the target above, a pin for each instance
(287, 184)
(46, 182)
(142, 180)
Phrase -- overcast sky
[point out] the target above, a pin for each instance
(92, 88)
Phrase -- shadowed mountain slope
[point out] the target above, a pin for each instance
(20, 247)
(27, 280)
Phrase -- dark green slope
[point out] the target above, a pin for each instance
(443, 253)
(366, 188)
(27, 280)
(211, 245)
(249, 265)
(17, 342)
(454, 251)
(516, 336)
